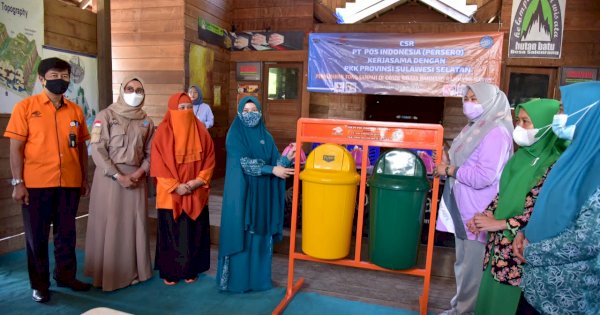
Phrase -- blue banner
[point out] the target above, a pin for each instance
(402, 64)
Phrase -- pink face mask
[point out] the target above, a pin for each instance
(472, 110)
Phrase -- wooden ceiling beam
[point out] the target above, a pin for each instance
(491, 9)
(323, 13)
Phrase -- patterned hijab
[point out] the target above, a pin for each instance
(122, 109)
(496, 112)
(574, 177)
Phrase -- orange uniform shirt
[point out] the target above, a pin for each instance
(49, 161)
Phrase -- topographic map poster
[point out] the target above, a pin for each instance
(83, 88)
(21, 40)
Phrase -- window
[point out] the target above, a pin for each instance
(283, 83)
(527, 83)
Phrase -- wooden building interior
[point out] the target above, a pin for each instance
(152, 39)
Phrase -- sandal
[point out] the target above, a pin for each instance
(191, 280)
(167, 282)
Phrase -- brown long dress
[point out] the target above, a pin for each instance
(116, 248)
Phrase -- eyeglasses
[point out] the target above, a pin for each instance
(130, 89)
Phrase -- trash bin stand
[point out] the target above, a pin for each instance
(366, 134)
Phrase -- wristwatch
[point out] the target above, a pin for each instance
(115, 176)
(16, 181)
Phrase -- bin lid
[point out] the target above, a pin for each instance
(331, 157)
(400, 169)
(330, 163)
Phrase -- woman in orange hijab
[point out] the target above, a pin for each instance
(182, 160)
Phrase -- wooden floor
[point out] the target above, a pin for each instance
(344, 282)
(369, 286)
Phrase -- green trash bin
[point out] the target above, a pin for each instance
(398, 190)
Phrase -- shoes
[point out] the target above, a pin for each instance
(167, 282)
(448, 312)
(40, 296)
(191, 280)
(135, 281)
(74, 284)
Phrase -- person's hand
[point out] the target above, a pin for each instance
(183, 189)
(484, 222)
(125, 181)
(292, 152)
(137, 175)
(445, 158)
(195, 184)
(471, 226)
(282, 172)
(519, 244)
(21, 194)
(85, 189)
(440, 169)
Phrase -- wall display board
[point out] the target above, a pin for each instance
(21, 40)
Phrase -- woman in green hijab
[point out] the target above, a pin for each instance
(523, 176)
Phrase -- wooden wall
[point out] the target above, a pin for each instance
(333, 4)
(217, 12)
(411, 12)
(278, 15)
(71, 29)
(148, 41)
(11, 222)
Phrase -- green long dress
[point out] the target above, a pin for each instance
(499, 291)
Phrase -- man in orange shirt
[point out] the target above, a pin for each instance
(48, 161)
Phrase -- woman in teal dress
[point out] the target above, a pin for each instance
(562, 246)
(253, 202)
(521, 178)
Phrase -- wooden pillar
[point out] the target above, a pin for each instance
(105, 96)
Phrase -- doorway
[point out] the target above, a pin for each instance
(411, 109)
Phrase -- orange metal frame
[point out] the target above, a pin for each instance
(364, 133)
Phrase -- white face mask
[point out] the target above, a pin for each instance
(559, 123)
(526, 137)
(133, 99)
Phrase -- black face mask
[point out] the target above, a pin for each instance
(58, 86)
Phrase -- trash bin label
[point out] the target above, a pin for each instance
(328, 158)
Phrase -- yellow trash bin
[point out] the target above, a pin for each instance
(329, 183)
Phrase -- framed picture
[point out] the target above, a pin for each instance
(569, 75)
(248, 71)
